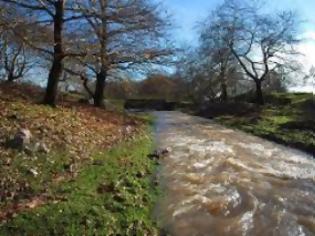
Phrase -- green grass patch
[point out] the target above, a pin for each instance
(287, 119)
(112, 195)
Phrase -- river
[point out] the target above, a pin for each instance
(218, 181)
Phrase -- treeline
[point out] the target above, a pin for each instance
(82, 39)
(155, 86)
(243, 46)
(103, 45)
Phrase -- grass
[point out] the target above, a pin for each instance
(113, 197)
(71, 133)
(95, 179)
(286, 118)
(115, 105)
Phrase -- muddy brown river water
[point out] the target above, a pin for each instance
(217, 181)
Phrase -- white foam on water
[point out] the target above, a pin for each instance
(224, 182)
(202, 164)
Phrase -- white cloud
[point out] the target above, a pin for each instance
(309, 35)
(307, 48)
(304, 89)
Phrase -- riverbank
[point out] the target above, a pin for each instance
(287, 119)
(113, 195)
(84, 170)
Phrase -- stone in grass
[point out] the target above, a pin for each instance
(21, 139)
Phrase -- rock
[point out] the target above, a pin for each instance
(157, 154)
(21, 139)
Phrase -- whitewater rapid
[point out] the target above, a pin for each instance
(218, 181)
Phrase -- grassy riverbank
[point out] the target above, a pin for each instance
(286, 118)
(112, 195)
(94, 178)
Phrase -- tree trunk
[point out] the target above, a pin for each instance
(52, 85)
(10, 77)
(259, 94)
(56, 69)
(86, 86)
(99, 88)
(224, 95)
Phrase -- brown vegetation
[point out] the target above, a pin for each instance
(72, 132)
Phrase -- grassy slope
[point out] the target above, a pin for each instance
(66, 191)
(287, 118)
(115, 198)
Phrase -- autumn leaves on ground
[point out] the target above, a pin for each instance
(91, 175)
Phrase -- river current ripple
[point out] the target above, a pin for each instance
(218, 181)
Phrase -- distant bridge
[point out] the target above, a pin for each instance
(149, 104)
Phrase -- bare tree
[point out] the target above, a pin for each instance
(40, 14)
(15, 62)
(215, 51)
(260, 42)
(199, 74)
(123, 34)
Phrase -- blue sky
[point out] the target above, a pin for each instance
(188, 12)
